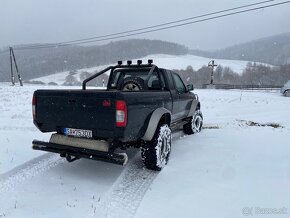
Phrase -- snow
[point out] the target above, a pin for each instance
(161, 60)
(219, 172)
(16, 127)
(183, 61)
(225, 168)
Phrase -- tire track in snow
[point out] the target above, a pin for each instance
(128, 191)
(122, 200)
(28, 170)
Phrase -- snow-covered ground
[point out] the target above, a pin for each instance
(228, 170)
(231, 171)
(161, 60)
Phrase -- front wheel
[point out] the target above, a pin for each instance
(155, 153)
(287, 93)
(195, 123)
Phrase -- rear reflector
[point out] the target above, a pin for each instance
(33, 107)
(121, 113)
(107, 103)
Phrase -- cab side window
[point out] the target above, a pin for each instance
(178, 83)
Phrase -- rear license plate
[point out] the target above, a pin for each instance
(81, 133)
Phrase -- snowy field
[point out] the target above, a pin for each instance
(238, 165)
(161, 60)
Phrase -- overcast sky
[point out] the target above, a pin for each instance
(33, 21)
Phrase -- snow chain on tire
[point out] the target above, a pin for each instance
(155, 153)
(195, 124)
(287, 93)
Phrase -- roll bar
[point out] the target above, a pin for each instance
(137, 66)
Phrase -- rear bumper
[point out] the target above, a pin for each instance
(67, 151)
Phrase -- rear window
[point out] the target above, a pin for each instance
(148, 82)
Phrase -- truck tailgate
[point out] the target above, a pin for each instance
(80, 109)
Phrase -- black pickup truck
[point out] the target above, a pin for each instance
(140, 107)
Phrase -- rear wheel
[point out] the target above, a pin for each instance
(287, 93)
(155, 153)
(195, 123)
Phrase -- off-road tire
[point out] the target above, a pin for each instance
(155, 153)
(132, 84)
(287, 93)
(195, 123)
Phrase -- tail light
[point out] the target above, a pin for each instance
(121, 113)
(33, 107)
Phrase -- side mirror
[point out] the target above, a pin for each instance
(189, 87)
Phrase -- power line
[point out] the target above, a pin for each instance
(158, 25)
(159, 29)
(150, 28)
(183, 24)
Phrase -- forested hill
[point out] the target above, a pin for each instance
(41, 62)
(273, 50)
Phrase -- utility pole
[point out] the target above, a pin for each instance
(11, 67)
(13, 59)
(212, 65)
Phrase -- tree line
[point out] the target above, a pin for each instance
(253, 74)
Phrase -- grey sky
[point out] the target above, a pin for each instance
(30, 21)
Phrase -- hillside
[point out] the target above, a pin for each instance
(273, 50)
(161, 60)
(42, 62)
